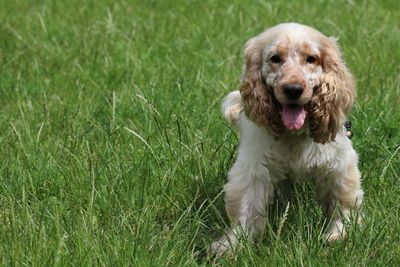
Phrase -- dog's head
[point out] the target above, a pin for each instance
(294, 73)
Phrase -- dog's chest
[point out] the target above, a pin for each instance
(300, 160)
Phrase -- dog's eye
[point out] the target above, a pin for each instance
(311, 59)
(276, 58)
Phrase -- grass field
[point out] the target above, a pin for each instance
(114, 152)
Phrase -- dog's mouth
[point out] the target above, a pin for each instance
(293, 116)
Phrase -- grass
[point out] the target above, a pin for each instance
(113, 150)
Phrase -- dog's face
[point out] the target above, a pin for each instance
(293, 73)
(292, 68)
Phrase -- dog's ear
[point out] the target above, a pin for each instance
(258, 102)
(334, 98)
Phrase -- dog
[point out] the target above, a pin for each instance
(293, 101)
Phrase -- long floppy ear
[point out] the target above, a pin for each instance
(334, 97)
(258, 102)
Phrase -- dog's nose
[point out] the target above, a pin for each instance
(293, 90)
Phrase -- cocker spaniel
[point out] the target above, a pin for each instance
(294, 96)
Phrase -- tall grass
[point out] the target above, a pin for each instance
(113, 150)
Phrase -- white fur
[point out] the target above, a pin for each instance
(263, 161)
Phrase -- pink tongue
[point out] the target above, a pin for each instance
(293, 116)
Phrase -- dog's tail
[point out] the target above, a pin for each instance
(231, 107)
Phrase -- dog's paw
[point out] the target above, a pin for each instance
(335, 232)
(219, 248)
(224, 246)
(331, 237)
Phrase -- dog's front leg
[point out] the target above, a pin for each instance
(343, 195)
(247, 193)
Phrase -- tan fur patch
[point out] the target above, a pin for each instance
(233, 114)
